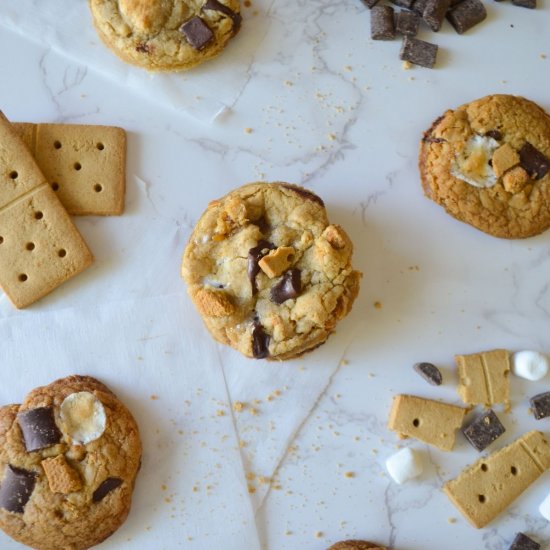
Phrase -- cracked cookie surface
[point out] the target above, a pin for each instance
(59, 492)
(268, 273)
(488, 164)
(166, 35)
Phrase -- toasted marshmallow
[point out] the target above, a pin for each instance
(472, 165)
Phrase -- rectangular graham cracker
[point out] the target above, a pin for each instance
(484, 377)
(429, 421)
(40, 248)
(486, 488)
(85, 165)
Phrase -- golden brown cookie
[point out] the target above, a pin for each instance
(69, 456)
(488, 164)
(268, 273)
(166, 35)
(356, 545)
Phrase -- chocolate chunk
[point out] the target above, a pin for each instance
(197, 32)
(407, 23)
(535, 163)
(304, 193)
(255, 254)
(110, 484)
(418, 52)
(429, 372)
(403, 3)
(16, 489)
(484, 430)
(466, 14)
(260, 341)
(495, 134)
(523, 542)
(39, 428)
(540, 404)
(531, 4)
(434, 13)
(217, 6)
(370, 3)
(382, 26)
(289, 287)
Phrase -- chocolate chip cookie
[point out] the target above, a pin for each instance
(69, 456)
(488, 164)
(356, 545)
(268, 273)
(166, 35)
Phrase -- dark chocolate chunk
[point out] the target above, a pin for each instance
(495, 134)
(218, 6)
(467, 14)
(289, 287)
(39, 428)
(382, 25)
(434, 13)
(407, 23)
(403, 3)
(418, 52)
(540, 404)
(197, 32)
(255, 254)
(484, 430)
(523, 542)
(16, 489)
(535, 163)
(260, 341)
(306, 194)
(418, 6)
(531, 4)
(370, 3)
(105, 487)
(429, 372)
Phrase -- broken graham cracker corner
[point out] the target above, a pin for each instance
(484, 378)
(84, 164)
(40, 248)
(485, 489)
(429, 421)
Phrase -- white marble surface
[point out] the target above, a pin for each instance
(332, 110)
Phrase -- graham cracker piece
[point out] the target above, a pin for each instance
(62, 477)
(40, 248)
(84, 164)
(486, 488)
(429, 421)
(484, 377)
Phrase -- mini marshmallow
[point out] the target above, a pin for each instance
(531, 365)
(82, 417)
(404, 465)
(544, 508)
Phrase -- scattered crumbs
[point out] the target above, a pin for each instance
(238, 406)
(319, 534)
(220, 412)
(377, 305)
(154, 397)
(349, 475)
(248, 130)
(406, 65)
(331, 137)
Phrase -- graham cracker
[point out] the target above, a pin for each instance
(85, 165)
(429, 421)
(40, 248)
(485, 489)
(484, 377)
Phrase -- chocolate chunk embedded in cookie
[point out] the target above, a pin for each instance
(163, 35)
(269, 274)
(488, 164)
(69, 456)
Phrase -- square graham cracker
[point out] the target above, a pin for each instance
(429, 421)
(85, 165)
(485, 489)
(484, 377)
(40, 248)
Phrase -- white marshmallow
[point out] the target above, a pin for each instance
(531, 365)
(404, 465)
(544, 508)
